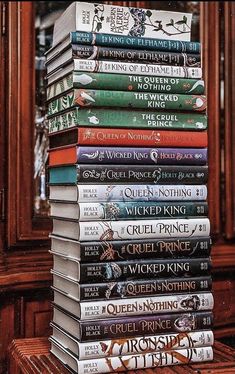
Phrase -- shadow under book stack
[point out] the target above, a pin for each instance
(127, 175)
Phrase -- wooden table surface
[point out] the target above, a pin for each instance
(32, 356)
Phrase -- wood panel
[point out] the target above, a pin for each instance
(21, 225)
(229, 116)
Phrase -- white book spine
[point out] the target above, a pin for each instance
(143, 344)
(139, 229)
(122, 192)
(113, 19)
(146, 305)
(132, 362)
(136, 68)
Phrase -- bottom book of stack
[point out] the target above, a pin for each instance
(121, 344)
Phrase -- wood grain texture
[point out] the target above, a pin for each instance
(32, 356)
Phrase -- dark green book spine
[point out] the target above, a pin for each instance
(124, 118)
(146, 100)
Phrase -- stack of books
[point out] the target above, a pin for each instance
(127, 175)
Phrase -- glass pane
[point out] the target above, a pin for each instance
(46, 12)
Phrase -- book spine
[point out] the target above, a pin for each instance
(146, 305)
(134, 249)
(122, 270)
(122, 192)
(121, 118)
(123, 99)
(142, 156)
(116, 67)
(102, 39)
(125, 193)
(112, 328)
(144, 344)
(132, 55)
(140, 288)
(112, 211)
(123, 82)
(146, 360)
(91, 136)
(128, 174)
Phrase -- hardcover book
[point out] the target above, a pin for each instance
(116, 67)
(123, 99)
(93, 193)
(114, 211)
(166, 174)
(123, 41)
(128, 289)
(132, 269)
(124, 155)
(128, 137)
(121, 250)
(122, 20)
(128, 346)
(125, 327)
(86, 310)
(133, 229)
(122, 82)
(124, 118)
(131, 55)
(130, 362)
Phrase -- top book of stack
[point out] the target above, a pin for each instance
(119, 20)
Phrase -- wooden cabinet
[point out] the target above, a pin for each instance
(24, 258)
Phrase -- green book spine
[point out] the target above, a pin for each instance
(146, 100)
(124, 118)
(123, 82)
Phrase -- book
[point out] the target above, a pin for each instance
(130, 269)
(114, 211)
(125, 327)
(130, 362)
(125, 155)
(160, 304)
(123, 99)
(122, 20)
(128, 137)
(124, 118)
(123, 41)
(94, 193)
(120, 54)
(122, 82)
(166, 174)
(117, 250)
(129, 289)
(116, 67)
(136, 229)
(127, 346)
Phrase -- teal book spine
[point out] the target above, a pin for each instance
(124, 41)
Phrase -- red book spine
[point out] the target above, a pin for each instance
(134, 137)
